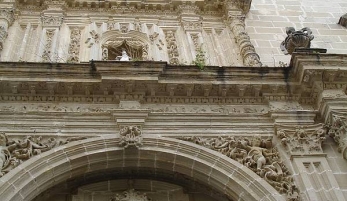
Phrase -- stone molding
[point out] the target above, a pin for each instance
(256, 154)
(102, 154)
(52, 20)
(301, 140)
(15, 151)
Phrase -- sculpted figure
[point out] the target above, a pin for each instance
(256, 154)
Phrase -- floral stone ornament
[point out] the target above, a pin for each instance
(296, 39)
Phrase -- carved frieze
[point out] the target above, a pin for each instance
(130, 195)
(191, 25)
(258, 155)
(302, 140)
(338, 131)
(130, 136)
(15, 151)
(51, 20)
(172, 48)
(74, 48)
(296, 39)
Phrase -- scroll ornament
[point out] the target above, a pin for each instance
(14, 152)
(256, 154)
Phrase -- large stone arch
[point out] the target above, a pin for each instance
(80, 158)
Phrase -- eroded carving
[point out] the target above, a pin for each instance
(47, 52)
(302, 140)
(130, 136)
(172, 48)
(338, 131)
(296, 39)
(255, 153)
(3, 36)
(14, 152)
(74, 48)
(247, 50)
(130, 195)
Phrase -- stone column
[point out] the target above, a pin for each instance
(247, 50)
(6, 20)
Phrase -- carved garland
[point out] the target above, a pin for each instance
(256, 154)
(46, 55)
(172, 48)
(14, 152)
(74, 48)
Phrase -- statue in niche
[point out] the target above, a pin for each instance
(124, 56)
(296, 39)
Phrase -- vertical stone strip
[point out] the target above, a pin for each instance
(172, 48)
(247, 50)
(47, 52)
(338, 131)
(6, 19)
(74, 48)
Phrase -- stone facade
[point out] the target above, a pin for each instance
(181, 120)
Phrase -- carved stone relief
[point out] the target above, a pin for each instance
(247, 50)
(258, 155)
(296, 39)
(74, 48)
(338, 131)
(7, 14)
(130, 195)
(47, 52)
(49, 20)
(3, 36)
(135, 48)
(302, 140)
(13, 151)
(172, 48)
(130, 136)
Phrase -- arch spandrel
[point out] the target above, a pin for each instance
(104, 153)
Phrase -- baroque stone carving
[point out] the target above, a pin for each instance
(7, 14)
(74, 48)
(338, 131)
(172, 48)
(135, 48)
(247, 50)
(130, 195)
(52, 20)
(302, 140)
(296, 39)
(130, 136)
(14, 152)
(256, 154)
(3, 36)
(46, 55)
